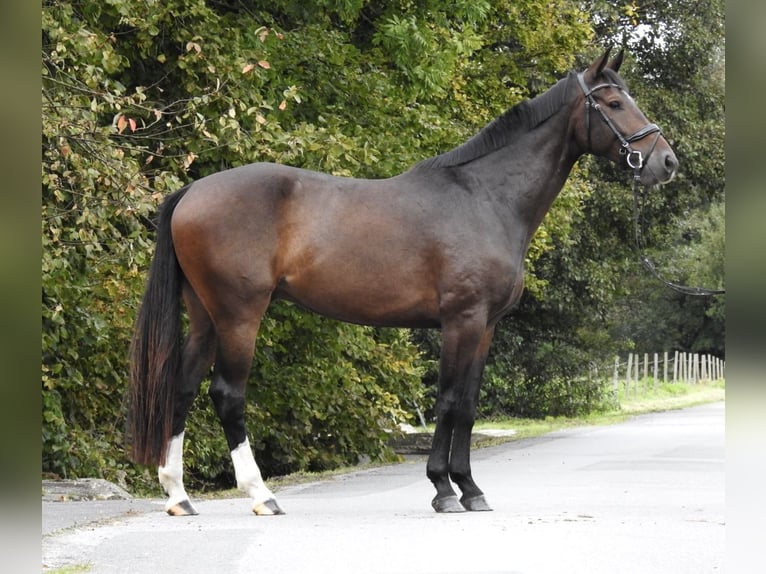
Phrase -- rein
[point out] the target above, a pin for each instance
(639, 222)
(635, 160)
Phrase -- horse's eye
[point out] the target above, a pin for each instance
(615, 104)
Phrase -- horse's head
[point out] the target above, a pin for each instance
(611, 125)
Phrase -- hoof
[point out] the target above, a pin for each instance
(447, 504)
(268, 508)
(475, 503)
(183, 508)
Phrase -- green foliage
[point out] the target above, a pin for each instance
(547, 361)
(658, 318)
(554, 383)
(703, 257)
(94, 246)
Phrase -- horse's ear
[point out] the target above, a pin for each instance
(595, 69)
(617, 61)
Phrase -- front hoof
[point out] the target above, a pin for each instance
(475, 503)
(447, 504)
(268, 508)
(183, 508)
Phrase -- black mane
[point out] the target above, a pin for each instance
(518, 120)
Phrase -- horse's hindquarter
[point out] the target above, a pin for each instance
(378, 252)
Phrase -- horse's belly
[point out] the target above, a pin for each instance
(364, 298)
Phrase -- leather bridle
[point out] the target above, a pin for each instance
(633, 157)
(635, 160)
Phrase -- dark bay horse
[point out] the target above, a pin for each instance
(441, 245)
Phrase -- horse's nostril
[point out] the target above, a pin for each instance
(671, 163)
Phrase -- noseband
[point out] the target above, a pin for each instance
(634, 157)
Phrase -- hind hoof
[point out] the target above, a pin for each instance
(183, 508)
(447, 504)
(268, 508)
(475, 503)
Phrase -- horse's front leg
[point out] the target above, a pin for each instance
(460, 467)
(463, 354)
(465, 414)
(437, 468)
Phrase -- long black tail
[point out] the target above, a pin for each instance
(155, 351)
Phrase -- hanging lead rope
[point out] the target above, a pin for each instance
(639, 232)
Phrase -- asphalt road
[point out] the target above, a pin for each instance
(644, 496)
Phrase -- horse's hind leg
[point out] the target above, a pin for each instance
(197, 358)
(227, 390)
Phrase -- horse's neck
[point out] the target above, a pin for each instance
(527, 175)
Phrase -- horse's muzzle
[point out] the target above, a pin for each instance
(661, 167)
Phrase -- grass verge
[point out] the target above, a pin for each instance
(77, 569)
(647, 399)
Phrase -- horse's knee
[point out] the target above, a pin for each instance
(446, 405)
(436, 472)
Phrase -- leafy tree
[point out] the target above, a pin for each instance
(94, 244)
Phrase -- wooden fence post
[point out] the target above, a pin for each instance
(687, 365)
(646, 365)
(654, 376)
(697, 360)
(675, 367)
(695, 368)
(665, 368)
(682, 367)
